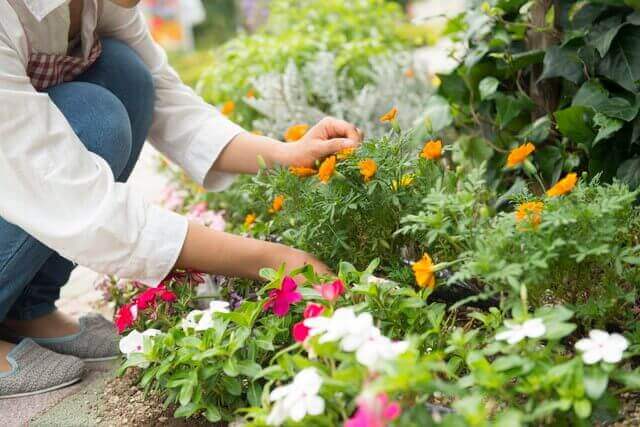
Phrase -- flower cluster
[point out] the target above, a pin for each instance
(356, 333)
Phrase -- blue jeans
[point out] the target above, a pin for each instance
(110, 108)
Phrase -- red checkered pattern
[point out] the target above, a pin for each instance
(46, 70)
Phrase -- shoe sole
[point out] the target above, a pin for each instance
(100, 359)
(45, 390)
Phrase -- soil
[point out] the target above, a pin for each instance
(630, 410)
(122, 403)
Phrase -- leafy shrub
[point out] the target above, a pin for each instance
(559, 74)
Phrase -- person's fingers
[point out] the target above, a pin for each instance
(336, 128)
(332, 146)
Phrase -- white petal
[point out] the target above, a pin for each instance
(592, 356)
(279, 392)
(315, 405)
(612, 356)
(618, 341)
(598, 336)
(132, 343)
(367, 356)
(516, 336)
(400, 347)
(151, 332)
(351, 343)
(504, 335)
(277, 416)
(219, 307)
(298, 410)
(585, 344)
(534, 328)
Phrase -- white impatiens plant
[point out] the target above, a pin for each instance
(298, 399)
(201, 320)
(602, 346)
(318, 89)
(136, 343)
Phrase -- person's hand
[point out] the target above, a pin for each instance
(295, 258)
(327, 137)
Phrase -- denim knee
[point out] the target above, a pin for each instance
(99, 119)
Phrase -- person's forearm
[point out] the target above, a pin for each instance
(216, 252)
(242, 153)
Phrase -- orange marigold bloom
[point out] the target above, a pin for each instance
(276, 205)
(520, 154)
(409, 73)
(249, 220)
(530, 211)
(424, 270)
(345, 153)
(368, 169)
(251, 93)
(389, 116)
(564, 186)
(302, 171)
(296, 132)
(327, 168)
(432, 150)
(228, 108)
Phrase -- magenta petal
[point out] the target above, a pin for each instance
(288, 284)
(293, 297)
(392, 411)
(280, 308)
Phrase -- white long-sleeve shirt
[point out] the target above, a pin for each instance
(65, 196)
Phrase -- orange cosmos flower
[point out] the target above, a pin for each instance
(520, 154)
(228, 108)
(345, 153)
(327, 168)
(368, 169)
(249, 220)
(432, 150)
(564, 186)
(409, 73)
(530, 211)
(276, 205)
(424, 270)
(295, 132)
(389, 116)
(302, 171)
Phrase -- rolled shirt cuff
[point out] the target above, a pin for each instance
(205, 150)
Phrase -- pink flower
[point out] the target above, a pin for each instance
(331, 291)
(376, 412)
(172, 198)
(168, 296)
(149, 296)
(299, 331)
(281, 299)
(125, 317)
(201, 214)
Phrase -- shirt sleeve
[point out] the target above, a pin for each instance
(185, 128)
(65, 196)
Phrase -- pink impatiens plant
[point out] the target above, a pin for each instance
(280, 300)
(374, 412)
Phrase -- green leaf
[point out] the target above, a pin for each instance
(573, 122)
(537, 131)
(212, 414)
(622, 64)
(186, 410)
(249, 368)
(563, 61)
(606, 126)
(230, 367)
(438, 113)
(509, 107)
(254, 394)
(582, 408)
(604, 39)
(488, 87)
(232, 385)
(595, 382)
(556, 331)
(592, 94)
(185, 394)
(629, 172)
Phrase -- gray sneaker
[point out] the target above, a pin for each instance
(37, 370)
(96, 341)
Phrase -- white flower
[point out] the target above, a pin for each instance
(359, 331)
(332, 328)
(297, 399)
(516, 332)
(134, 342)
(201, 320)
(378, 349)
(602, 346)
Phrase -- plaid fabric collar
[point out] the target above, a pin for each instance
(41, 8)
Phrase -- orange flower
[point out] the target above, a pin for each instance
(564, 186)
(345, 153)
(390, 116)
(409, 73)
(276, 205)
(302, 171)
(249, 220)
(228, 108)
(327, 168)
(405, 181)
(295, 132)
(251, 93)
(520, 154)
(432, 150)
(530, 211)
(424, 270)
(368, 169)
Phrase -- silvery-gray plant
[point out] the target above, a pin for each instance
(318, 89)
